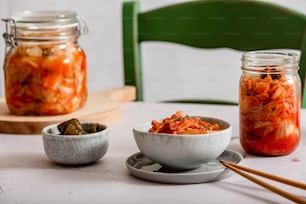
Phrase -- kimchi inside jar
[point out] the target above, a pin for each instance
(269, 103)
(45, 68)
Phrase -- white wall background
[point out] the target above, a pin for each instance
(164, 67)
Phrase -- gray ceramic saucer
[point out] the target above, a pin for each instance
(144, 168)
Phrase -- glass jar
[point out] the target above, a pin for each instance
(44, 67)
(269, 103)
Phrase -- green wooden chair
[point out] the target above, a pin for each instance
(281, 28)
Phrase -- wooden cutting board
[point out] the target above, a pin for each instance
(102, 106)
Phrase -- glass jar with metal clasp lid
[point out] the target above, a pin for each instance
(45, 69)
(269, 103)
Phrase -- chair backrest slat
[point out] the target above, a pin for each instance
(233, 24)
(236, 24)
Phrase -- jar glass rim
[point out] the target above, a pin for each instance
(258, 59)
(271, 56)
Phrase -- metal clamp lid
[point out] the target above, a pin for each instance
(9, 35)
(43, 21)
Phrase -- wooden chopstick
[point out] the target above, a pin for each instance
(269, 176)
(240, 170)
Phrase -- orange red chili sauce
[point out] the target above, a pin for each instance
(179, 123)
(47, 79)
(269, 114)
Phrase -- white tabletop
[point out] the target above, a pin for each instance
(28, 176)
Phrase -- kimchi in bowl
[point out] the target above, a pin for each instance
(183, 151)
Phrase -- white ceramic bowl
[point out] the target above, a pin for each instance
(75, 149)
(183, 151)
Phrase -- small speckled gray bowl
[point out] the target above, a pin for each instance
(181, 152)
(75, 149)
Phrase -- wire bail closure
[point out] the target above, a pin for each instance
(83, 25)
(11, 38)
(10, 34)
